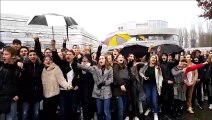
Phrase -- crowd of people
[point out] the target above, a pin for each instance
(67, 84)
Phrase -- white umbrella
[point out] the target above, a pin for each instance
(51, 19)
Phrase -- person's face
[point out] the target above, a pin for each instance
(76, 50)
(109, 58)
(16, 46)
(131, 58)
(181, 57)
(48, 53)
(183, 64)
(170, 58)
(210, 54)
(32, 56)
(198, 54)
(60, 54)
(85, 60)
(69, 56)
(120, 59)
(47, 61)
(164, 58)
(188, 58)
(94, 56)
(153, 59)
(7, 58)
(115, 53)
(102, 60)
(23, 52)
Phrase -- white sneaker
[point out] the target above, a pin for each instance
(210, 107)
(147, 112)
(127, 118)
(136, 118)
(155, 116)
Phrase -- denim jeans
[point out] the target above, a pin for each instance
(28, 107)
(121, 107)
(12, 115)
(151, 96)
(103, 108)
(68, 105)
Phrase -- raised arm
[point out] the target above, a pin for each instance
(194, 67)
(37, 48)
(85, 67)
(176, 72)
(98, 53)
(64, 44)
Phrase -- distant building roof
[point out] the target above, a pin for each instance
(150, 31)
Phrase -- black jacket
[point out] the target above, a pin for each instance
(31, 84)
(86, 85)
(119, 80)
(9, 85)
(166, 71)
(65, 67)
(9, 80)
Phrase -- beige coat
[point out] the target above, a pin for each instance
(52, 79)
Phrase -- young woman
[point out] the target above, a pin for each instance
(121, 80)
(9, 84)
(52, 79)
(86, 85)
(103, 78)
(179, 88)
(115, 54)
(152, 75)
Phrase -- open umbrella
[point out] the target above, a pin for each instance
(138, 50)
(169, 48)
(117, 39)
(51, 19)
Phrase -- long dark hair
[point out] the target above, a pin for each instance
(107, 64)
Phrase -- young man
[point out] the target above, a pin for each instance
(16, 44)
(31, 87)
(9, 84)
(167, 89)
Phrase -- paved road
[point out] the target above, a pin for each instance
(204, 114)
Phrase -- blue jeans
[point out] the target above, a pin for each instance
(34, 107)
(68, 105)
(103, 108)
(12, 115)
(121, 107)
(151, 96)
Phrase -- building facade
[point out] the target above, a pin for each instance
(152, 32)
(15, 27)
(154, 24)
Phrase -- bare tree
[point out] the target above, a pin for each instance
(185, 37)
(193, 36)
(181, 37)
(205, 38)
(206, 5)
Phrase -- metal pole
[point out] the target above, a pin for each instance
(67, 32)
(53, 32)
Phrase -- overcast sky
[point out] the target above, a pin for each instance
(102, 17)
